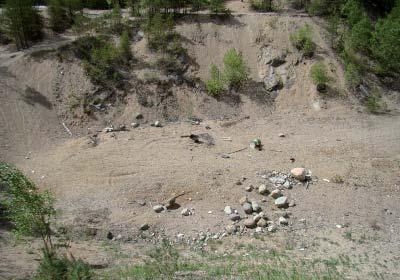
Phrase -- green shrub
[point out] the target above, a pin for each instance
(217, 6)
(302, 40)
(261, 5)
(375, 104)
(215, 84)
(159, 30)
(319, 74)
(387, 41)
(359, 38)
(22, 22)
(124, 47)
(51, 268)
(58, 17)
(170, 64)
(235, 69)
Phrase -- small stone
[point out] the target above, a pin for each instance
(180, 235)
(292, 204)
(298, 173)
(249, 223)
(238, 183)
(144, 227)
(249, 188)
(234, 217)
(158, 208)
(185, 212)
(262, 223)
(276, 194)
(281, 201)
(157, 124)
(243, 200)
(287, 185)
(263, 189)
(228, 210)
(256, 207)
(272, 228)
(210, 212)
(134, 125)
(139, 116)
(110, 235)
(283, 221)
(248, 209)
(259, 230)
(231, 229)
(282, 135)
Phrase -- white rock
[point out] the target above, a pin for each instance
(256, 207)
(298, 173)
(259, 230)
(228, 210)
(272, 228)
(281, 201)
(283, 221)
(243, 200)
(262, 189)
(185, 212)
(158, 208)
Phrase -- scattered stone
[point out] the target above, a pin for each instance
(231, 229)
(158, 208)
(259, 230)
(256, 207)
(228, 210)
(272, 228)
(292, 204)
(283, 221)
(180, 235)
(282, 135)
(108, 129)
(284, 214)
(279, 179)
(234, 217)
(249, 223)
(156, 124)
(144, 227)
(281, 201)
(247, 207)
(249, 188)
(139, 116)
(185, 212)
(276, 194)
(238, 183)
(262, 222)
(210, 212)
(134, 125)
(298, 173)
(263, 189)
(243, 200)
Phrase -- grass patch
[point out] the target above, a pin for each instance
(302, 40)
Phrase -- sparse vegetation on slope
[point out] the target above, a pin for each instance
(302, 40)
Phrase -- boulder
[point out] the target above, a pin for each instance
(281, 201)
(299, 173)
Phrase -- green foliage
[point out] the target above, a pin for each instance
(387, 41)
(52, 267)
(215, 85)
(29, 210)
(22, 22)
(319, 74)
(102, 65)
(235, 69)
(159, 29)
(375, 104)
(58, 16)
(261, 5)
(124, 47)
(217, 6)
(302, 40)
(359, 38)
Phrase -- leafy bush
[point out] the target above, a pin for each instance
(387, 41)
(235, 69)
(22, 23)
(359, 38)
(124, 47)
(319, 74)
(51, 268)
(58, 16)
(215, 84)
(375, 104)
(302, 40)
(159, 30)
(261, 5)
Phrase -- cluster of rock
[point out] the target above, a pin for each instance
(258, 219)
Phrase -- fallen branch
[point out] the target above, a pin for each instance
(67, 129)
